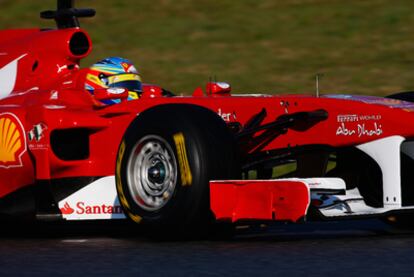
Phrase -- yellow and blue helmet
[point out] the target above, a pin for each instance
(114, 72)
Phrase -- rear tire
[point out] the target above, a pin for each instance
(167, 157)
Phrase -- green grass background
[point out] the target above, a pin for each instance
(272, 46)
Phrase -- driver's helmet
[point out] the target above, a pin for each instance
(114, 72)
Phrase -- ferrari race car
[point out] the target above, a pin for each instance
(167, 161)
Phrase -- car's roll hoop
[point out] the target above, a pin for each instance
(66, 15)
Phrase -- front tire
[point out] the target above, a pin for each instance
(167, 157)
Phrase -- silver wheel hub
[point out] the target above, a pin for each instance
(152, 173)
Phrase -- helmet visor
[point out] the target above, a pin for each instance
(132, 82)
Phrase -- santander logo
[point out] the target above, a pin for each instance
(67, 209)
(82, 208)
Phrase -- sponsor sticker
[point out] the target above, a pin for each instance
(115, 90)
(37, 132)
(12, 141)
(360, 130)
(82, 208)
(347, 118)
(97, 200)
(36, 137)
(357, 118)
(360, 125)
(227, 117)
(54, 95)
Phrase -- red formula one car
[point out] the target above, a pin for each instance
(184, 161)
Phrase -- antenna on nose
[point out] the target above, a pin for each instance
(318, 77)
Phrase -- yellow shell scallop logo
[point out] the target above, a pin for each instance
(12, 141)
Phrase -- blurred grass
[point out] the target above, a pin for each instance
(361, 46)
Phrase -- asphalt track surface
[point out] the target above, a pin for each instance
(366, 248)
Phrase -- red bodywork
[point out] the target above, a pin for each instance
(259, 200)
(48, 95)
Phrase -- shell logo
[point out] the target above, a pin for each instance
(12, 141)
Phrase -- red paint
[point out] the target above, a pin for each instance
(49, 89)
(259, 200)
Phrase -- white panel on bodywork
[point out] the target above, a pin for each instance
(97, 200)
(325, 183)
(386, 152)
(8, 75)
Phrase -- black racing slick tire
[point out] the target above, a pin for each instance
(167, 157)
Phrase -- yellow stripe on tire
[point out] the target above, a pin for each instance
(186, 176)
(121, 194)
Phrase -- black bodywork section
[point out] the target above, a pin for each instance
(70, 144)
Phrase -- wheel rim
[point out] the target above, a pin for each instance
(152, 173)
